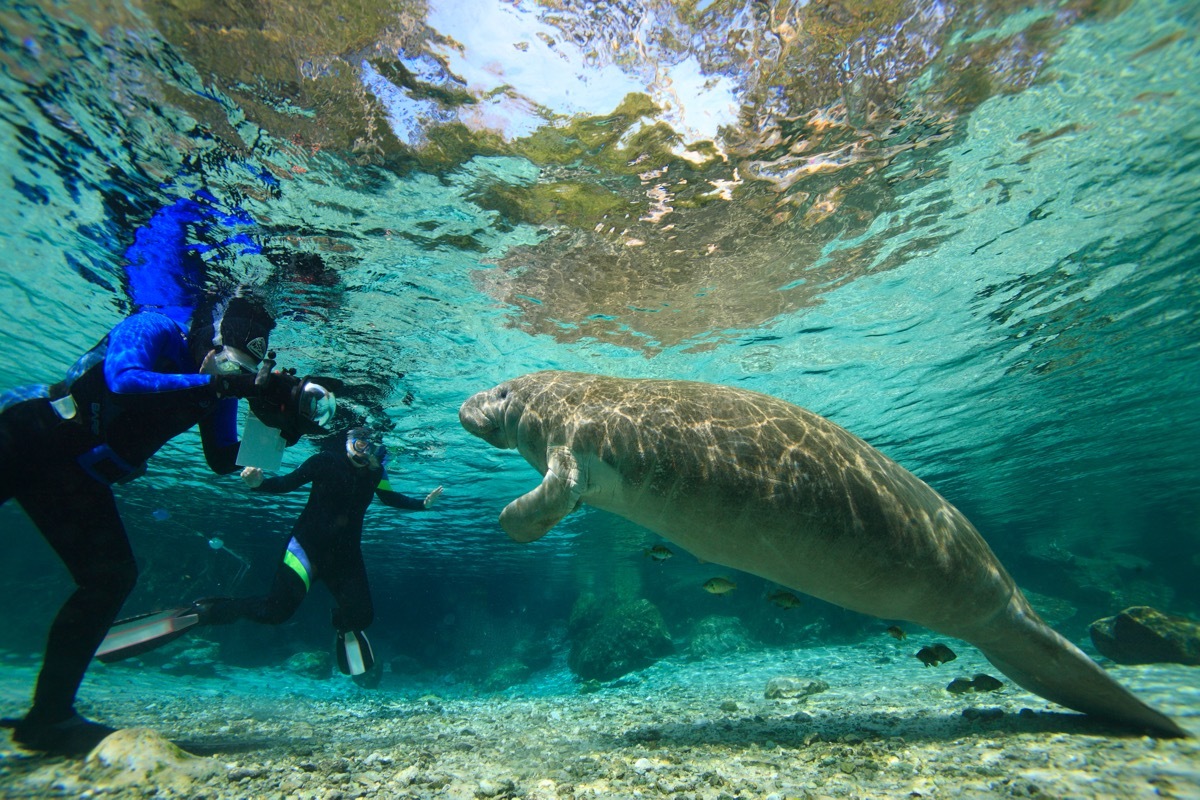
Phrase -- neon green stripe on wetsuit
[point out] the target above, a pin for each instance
(297, 560)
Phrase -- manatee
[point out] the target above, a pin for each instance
(755, 483)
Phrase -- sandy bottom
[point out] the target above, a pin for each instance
(885, 727)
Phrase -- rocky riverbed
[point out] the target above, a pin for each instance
(864, 721)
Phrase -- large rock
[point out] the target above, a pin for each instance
(608, 642)
(315, 664)
(1143, 635)
(718, 636)
(140, 757)
(788, 688)
(507, 673)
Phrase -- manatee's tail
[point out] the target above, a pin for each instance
(1037, 658)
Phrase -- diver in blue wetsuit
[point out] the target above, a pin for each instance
(63, 446)
(326, 544)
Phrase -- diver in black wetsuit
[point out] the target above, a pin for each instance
(63, 446)
(326, 544)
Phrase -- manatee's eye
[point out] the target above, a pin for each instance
(502, 393)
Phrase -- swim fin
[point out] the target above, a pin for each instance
(354, 656)
(141, 634)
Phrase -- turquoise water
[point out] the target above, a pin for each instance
(967, 234)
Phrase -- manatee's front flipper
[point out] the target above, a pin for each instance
(531, 515)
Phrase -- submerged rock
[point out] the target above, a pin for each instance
(142, 757)
(313, 664)
(1144, 635)
(718, 636)
(785, 688)
(506, 674)
(492, 788)
(609, 643)
(534, 652)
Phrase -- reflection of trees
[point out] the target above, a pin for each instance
(705, 247)
(297, 74)
(291, 70)
(735, 238)
(653, 239)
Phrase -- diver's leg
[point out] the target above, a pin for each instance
(288, 588)
(352, 592)
(349, 587)
(78, 517)
(28, 446)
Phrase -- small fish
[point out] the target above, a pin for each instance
(897, 633)
(784, 599)
(960, 686)
(981, 683)
(935, 655)
(719, 585)
(658, 553)
(944, 653)
(986, 683)
(925, 654)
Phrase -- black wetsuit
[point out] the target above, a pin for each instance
(326, 544)
(129, 395)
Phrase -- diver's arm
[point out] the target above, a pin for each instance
(397, 500)
(139, 344)
(303, 474)
(218, 435)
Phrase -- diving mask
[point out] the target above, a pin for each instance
(317, 404)
(359, 446)
(228, 360)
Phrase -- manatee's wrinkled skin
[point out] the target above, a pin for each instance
(752, 482)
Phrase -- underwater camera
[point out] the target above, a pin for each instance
(295, 406)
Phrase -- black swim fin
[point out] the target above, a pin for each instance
(141, 634)
(74, 736)
(354, 656)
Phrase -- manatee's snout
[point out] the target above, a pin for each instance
(473, 415)
(482, 415)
